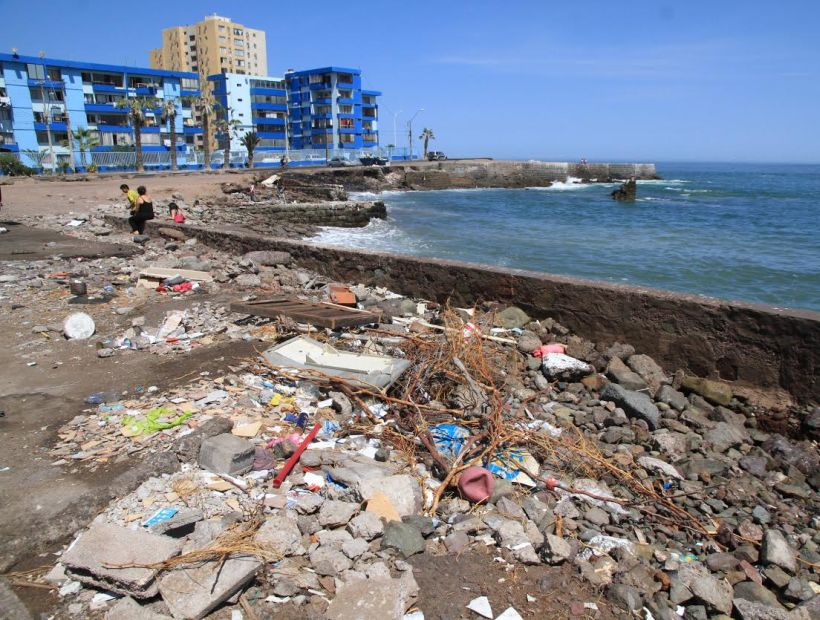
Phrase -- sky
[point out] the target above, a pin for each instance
(661, 80)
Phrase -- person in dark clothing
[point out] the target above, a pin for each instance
(144, 211)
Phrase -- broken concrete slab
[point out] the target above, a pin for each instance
(128, 609)
(192, 593)
(402, 490)
(305, 353)
(226, 454)
(365, 599)
(91, 558)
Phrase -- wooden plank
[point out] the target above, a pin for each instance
(319, 314)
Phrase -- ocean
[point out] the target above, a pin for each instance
(731, 231)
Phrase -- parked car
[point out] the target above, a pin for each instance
(373, 160)
(435, 156)
(338, 162)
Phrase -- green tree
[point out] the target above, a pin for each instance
(85, 139)
(227, 126)
(135, 107)
(206, 107)
(250, 140)
(169, 115)
(426, 135)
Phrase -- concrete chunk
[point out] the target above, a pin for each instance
(192, 593)
(402, 491)
(128, 609)
(282, 534)
(106, 544)
(226, 454)
(364, 599)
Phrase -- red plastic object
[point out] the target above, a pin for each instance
(280, 477)
(549, 348)
(476, 484)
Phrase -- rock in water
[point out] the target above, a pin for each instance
(627, 191)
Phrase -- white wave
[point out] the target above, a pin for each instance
(570, 184)
(373, 195)
(662, 181)
(377, 235)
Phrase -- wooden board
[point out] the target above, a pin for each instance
(321, 315)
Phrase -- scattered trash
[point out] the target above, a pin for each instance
(481, 606)
(163, 514)
(79, 326)
(155, 420)
(319, 314)
(311, 355)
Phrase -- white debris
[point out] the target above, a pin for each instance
(481, 605)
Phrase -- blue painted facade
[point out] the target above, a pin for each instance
(329, 109)
(323, 108)
(83, 95)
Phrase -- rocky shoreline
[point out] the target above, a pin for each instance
(652, 490)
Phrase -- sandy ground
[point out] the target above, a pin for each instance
(34, 196)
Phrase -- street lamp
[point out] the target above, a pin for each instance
(410, 132)
(395, 133)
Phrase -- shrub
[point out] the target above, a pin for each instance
(13, 167)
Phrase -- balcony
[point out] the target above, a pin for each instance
(323, 101)
(52, 126)
(189, 93)
(52, 84)
(275, 92)
(320, 85)
(99, 87)
(114, 128)
(271, 134)
(279, 107)
(346, 100)
(262, 120)
(191, 130)
(104, 107)
(150, 91)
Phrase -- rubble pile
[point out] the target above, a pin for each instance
(307, 487)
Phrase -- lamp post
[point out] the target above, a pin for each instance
(410, 132)
(395, 133)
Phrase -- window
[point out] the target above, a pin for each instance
(189, 84)
(221, 27)
(192, 37)
(238, 42)
(237, 32)
(54, 74)
(35, 72)
(239, 53)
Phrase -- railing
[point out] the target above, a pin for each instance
(111, 161)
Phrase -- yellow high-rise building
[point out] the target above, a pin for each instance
(213, 45)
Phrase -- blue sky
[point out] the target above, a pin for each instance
(725, 80)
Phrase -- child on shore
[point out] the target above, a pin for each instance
(176, 213)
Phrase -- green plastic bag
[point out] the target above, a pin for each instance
(139, 425)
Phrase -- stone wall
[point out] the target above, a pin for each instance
(469, 174)
(755, 345)
(343, 214)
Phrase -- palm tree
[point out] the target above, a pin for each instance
(426, 135)
(224, 124)
(250, 140)
(206, 107)
(136, 107)
(85, 139)
(169, 114)
(37, 156)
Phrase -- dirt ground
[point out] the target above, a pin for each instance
(43, 196)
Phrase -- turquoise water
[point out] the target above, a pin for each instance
(747, 232)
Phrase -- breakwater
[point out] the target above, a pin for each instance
(750, 344)
(465, 174)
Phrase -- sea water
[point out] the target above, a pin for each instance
(745, 232)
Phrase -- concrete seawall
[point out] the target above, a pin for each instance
(470, 174)
(754, 345)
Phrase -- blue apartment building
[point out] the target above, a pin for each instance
(328, 108)
(253, 103)
(68, 95)
(322, 109)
